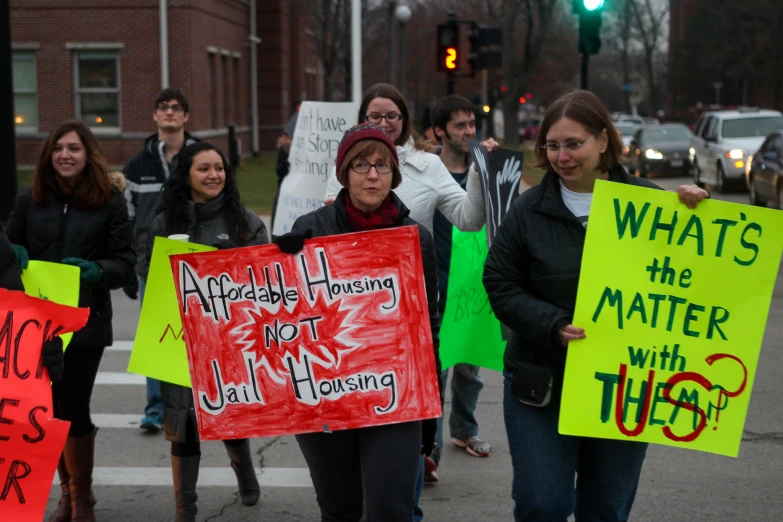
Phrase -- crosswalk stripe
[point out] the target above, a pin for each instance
(120, 378)
(159, 476)
(116, 420)
(120, 346)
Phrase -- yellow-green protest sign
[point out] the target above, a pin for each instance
(53, 282)
(469, 332)
(158, 349)
(674, 303)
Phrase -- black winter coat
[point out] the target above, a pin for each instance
(10, 278)
(333, 219)
(532, 272)
(57, 230)
(206, 222)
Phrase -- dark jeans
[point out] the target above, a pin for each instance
(71, 395)
(192, 447)
(545, 464)
(376, 466)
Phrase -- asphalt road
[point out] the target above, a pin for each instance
(133, 478)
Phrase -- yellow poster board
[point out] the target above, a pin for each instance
(158, 349)
(674, 303)
(53, 282)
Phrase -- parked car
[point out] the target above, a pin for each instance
(630, 118)
(661, 149)
(764, 173)
(627, 131)
(528, 128)
(723, 141)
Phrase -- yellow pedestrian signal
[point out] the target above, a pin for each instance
(451, 58)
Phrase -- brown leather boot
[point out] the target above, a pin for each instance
(80, 457)
(185, 473)
(63, 511)
(242, 462)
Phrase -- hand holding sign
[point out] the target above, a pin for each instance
(30, 440)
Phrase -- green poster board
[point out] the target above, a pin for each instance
(469, 332)
(158, 349)
(53, 282)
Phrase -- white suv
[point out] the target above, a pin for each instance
(723, 141)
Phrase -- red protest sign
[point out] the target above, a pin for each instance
(332, 338)
(30, 440)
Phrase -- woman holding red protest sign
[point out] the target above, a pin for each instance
(75, 213)
(375, 466)
(531, 277)
(202, 201)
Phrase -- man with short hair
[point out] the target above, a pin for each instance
(146, 173)
(454, 120)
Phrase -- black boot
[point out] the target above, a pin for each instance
(185, 473)
(242, 462)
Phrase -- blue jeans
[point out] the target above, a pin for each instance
(154, 401)
(545, 464)
(466, 384)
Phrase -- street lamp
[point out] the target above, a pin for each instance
(402, 14)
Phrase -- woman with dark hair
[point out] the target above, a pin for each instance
(375, 467)
(531, 277)
(202, 201)
(76, 214)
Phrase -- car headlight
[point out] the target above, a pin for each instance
(653, 154)
(735, 154)
(692, 152)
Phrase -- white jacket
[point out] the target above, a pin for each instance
(427, 185)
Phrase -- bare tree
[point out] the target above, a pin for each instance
(651, 19)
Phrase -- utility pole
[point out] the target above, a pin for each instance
(391, 32)
(7, 130)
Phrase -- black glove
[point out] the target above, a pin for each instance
(224, 244)
(428, 429)
(132, 288)
(53, 358)
(292, 243)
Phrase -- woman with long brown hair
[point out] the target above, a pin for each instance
(75, 213)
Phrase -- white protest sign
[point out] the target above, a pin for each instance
(319, 129)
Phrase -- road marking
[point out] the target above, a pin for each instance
(120, 378)
(116, 420)
(120, 346)
(223, 477)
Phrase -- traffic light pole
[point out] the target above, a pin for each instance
(449, 83)
(585, 67)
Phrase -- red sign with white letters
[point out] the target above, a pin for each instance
(332, 338)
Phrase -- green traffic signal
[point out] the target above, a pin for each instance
(593, 5)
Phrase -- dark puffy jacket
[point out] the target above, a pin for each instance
(207, 225)
(532, 272)
(146, 174)
(57, 230)
(333, 219)
(10, 278)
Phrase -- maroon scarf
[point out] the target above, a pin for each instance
(382, 217)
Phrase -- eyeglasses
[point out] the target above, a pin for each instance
(571, 146)
(376, 117)
(362, 167)
(175, 107)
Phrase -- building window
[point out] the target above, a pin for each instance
(226, 90)
(25, 91)
(97, 77)
(213, 109)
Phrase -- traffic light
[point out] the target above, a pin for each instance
(482, 40)
(448, 47)
(589, 12)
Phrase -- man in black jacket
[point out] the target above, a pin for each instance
(146, 173)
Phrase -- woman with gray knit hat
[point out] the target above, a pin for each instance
(376, 466)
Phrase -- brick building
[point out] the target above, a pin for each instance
(100, 61)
